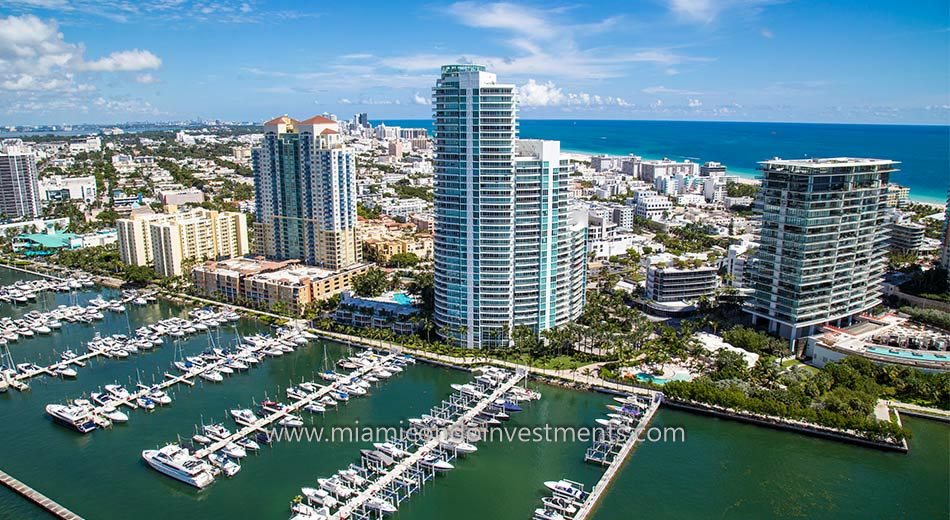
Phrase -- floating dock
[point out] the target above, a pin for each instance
(408, 474)
(37, 498)
(616, 460)
(269, 419)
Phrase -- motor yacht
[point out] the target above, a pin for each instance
(73, 416)
(180, 464)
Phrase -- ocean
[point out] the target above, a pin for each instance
(924, 151)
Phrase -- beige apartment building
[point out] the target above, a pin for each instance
(263, 283)
(167, 240)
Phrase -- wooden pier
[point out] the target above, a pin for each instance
(37, 498)
(585, 509)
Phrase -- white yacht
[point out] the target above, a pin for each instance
(180, 464)
(76, 417)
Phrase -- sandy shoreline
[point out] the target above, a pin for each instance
(742, 176)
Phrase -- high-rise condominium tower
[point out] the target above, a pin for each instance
(306, 193)
(19, 193)
(823, 242)
(508, 251)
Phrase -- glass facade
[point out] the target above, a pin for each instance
(503, 239)
(823, 242)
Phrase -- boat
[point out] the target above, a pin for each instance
(315, 408)
(302, 511)
(76, 417)
(458, 447)
(319, 496)
(64, 370)
(378, 457)
(333, 486)
(118, 391)
(243, 416)
(178, 463)
(201, 439)
(351, 476)
(234, 451)
(566, 488)
(559, 504)
(227, 465)
(211, 375)
(247, 444)
(378, 504)
(547, 514)
(432, 461)
(390, 449)
(291, 421)
(114, 415)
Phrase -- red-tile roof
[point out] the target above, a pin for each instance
(328, 131)
(318, 120)
(280, 120)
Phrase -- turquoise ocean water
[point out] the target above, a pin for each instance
(924, 151)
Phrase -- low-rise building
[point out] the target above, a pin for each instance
(394, 311)
(907, 237)
(676, 283)
(652, 207)
(59, 187)
(180, 196)
(264, 283)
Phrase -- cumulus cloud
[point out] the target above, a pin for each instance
(125, 61)
(419, 99)
(534, 94)
(694, 103)
(34, 56)
(767, 33)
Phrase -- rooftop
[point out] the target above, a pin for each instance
(828, 162)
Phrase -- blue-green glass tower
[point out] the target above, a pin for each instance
(506, 245)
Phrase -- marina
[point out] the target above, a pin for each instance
(114, 346)
(501, 480)
(379, 489)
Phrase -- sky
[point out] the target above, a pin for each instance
(113, 61)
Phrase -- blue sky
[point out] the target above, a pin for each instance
(72, 61)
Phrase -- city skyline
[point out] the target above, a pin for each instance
(735, 60)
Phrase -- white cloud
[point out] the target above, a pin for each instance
(537, 94)
(346, 101)
(146, 79)
(501, 15)
(708, 11)
(34, 56)
(694, 103)
(534, 94)
(125, 61)
(663, 90)
(419, 99)
(767, 33)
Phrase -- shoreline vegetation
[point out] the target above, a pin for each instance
(844, 410)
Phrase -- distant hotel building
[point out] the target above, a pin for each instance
(166, 240)
(823, 242)
(19, 192)
(304, 180)
(508, 250)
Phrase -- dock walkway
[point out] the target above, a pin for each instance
(37, 498)
(585, 510)
(394, 475)
(269, 419)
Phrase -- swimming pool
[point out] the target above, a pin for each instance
(923, 355)
(402, 298)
